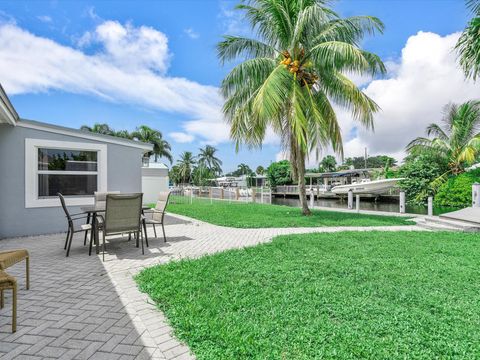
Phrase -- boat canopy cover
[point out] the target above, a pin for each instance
(343, 173)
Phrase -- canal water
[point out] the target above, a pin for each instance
(365, 204)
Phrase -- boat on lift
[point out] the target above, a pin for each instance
(367, 187)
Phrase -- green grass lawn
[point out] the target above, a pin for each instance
(249, 215)
(339, 295)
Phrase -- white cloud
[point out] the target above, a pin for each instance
(44, 18)
(420, 83)
(192, 34)
(232, 20)
(181, 137)
(131, 66)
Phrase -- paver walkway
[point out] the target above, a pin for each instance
(81, 308)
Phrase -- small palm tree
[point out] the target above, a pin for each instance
(207, 159)
(456, 140)
(185, 166)
(468, 46)
(97, 128)
(161, 148)
(260, 170)
(244, 169)
(123, 134)
(294, 70)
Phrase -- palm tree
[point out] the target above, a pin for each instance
(185, 166)
(123, 134)
(161, 148)
(294, 69)
(97, 128)
(456, 140)
(207, 159)
(260, 170)
(244, 169)
(468, 46)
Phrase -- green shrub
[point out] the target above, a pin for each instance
(457, 191)
(419, 174)
(279, 173)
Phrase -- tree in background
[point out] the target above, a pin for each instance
(244, 169)
(456, 139)
(328, 164)
(161, 148)
(468, 45)
(378, 161)
(279, 173)
(123, 134)
(174, 175)
(294, 69)
(97, 128)
(260, 170)
(185, 166)
(207, 159)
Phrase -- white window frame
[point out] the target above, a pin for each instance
(32, 199)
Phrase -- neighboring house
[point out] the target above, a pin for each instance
(154, 180)
(38, 160)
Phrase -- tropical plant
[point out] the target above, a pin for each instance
(260, 170)
(202, 176)
(468, 45)
(244, 169)
(419, 172)
(161, 148)
(279, 173)
(328, 164)
(185, 166)
(207, 159)
(294, 69)
(457, 190)
(123, 134)
(378, 161)
(97, 128)
(174, 175)
(456, 140)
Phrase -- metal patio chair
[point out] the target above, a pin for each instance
(157, 215)
(122, 215)
(72, 228)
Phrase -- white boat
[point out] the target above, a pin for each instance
(367, 187)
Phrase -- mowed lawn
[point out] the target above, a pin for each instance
(374, 295)
(254, 215)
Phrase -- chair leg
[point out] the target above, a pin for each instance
(143, 250)
(154, 231)
(145, 229)
(86, 232)
(2, 299)
(70, 242)
(14, 308)
(164, 236)
(27, 271)
(103, 253)
(66, 239)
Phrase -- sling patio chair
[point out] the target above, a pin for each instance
(72, 227)
(100, 201)
(123, 214)
(157, 215)
(8, 282)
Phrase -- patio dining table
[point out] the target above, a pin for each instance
(93, 211)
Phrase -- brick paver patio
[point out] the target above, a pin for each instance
(81, 308)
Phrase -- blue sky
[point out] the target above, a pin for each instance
(63, 91)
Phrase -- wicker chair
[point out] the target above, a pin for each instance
(122, 215)
(72, 229)
(8, 282)
(157, 215)
(11, 257)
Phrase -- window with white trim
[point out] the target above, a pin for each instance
(73, 169)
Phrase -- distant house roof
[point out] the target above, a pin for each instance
(37, 125)
(8, 115)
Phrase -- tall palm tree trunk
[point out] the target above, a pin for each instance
(297, 159)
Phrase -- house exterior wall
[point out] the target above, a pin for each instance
(154, 181)
(123, 174)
